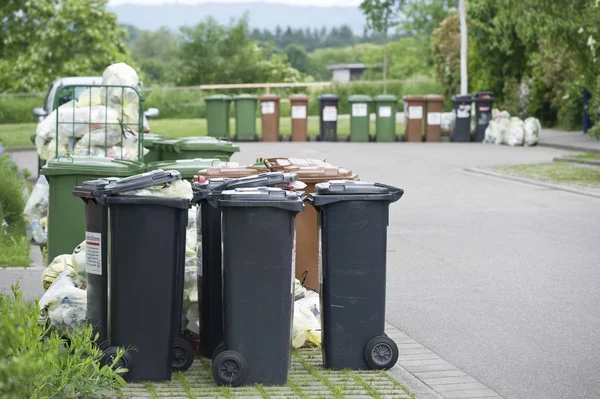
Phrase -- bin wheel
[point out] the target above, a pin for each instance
(381, 353)
(220, 348)
(318, 138)
(183, 354)
(103, 345)
(230, 368)
(125, 362)
(256, 138)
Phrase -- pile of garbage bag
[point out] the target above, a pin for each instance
(36, 212)
(64, 305)
(102, 121)
(306, 323)
(512, 131)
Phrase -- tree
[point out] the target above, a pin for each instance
(43, 39)
(297, 57)
(156, 52)
(424, 16)
(381, 16)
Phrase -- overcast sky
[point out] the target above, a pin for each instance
(295, 2)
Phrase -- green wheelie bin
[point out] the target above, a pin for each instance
(359, 118)
(217, 115)
(154, 153)
(187, 168)
(245, 118)
(195, 147)
(66, 215)
(385, 125)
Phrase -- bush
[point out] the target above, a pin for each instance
(12, 202)
(36, 363)
(15, 109)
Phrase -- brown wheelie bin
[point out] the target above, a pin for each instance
(299, 110)
(269, 110)
(413, 111)
(433, 122)
(308, 248)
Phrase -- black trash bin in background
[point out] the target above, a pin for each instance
(461, 131)
(484, 101)
(328, 114)
(210, 279)
(353, 220)
(145, 277)
(96, 240)
(258, 285)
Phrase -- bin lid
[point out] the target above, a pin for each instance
(217, 97)
(462, 97)
(359, 98)
(299, 97)
(206, 143)
(141, 181)
(187, 167)
(348, 190)
(434, 97)
(229, 170)
(309, 170)
(262, 197)
(204, 189)
(382, 98)
(413, 98)
(245, 97)
(484, 94)
(331, 97)
(87, 187)
(91, 165)
(269, 97)
(151, 138)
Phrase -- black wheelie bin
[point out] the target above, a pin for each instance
(258, 285)
(353, 220)
(146, 237)
(210, 280)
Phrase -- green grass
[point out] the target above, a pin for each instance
(17, 135)
(587, 155)
(557, 172)
(15, 249)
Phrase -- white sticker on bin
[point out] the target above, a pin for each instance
(330, 113)
(434, 118)
(267, 107)
(415, 112)
(359, 109)
(385, 111)
(298, 112)
(93, 253)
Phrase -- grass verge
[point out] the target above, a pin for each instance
(17, 135)
(14, 245)
(594, 156)
(556, 172)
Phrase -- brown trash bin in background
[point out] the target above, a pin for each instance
(269, 110)
(433, 122)
(299, 111)
(413, 112)
(308, 249)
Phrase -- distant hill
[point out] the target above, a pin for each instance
(262, 15)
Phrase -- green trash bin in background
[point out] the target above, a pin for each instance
(245, 118)
(66, 213)
(154, 153)
(385, 125)
(217, 115)
(195, 147)
(188, 168)
(359, 118)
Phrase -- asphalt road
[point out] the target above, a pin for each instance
(498, 277)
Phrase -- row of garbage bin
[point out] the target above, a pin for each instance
(249, 227)
(385, 107)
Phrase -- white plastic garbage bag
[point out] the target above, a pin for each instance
(311, 302)
(79, 265)
(447, 120)
(532, 128)
(121, 74)
(176, 189)
(90, 97)
(57, 266)
(305, 327)
(515, 133)
(63, 305)
(46, 129)
(36, 211)
(299, 290)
